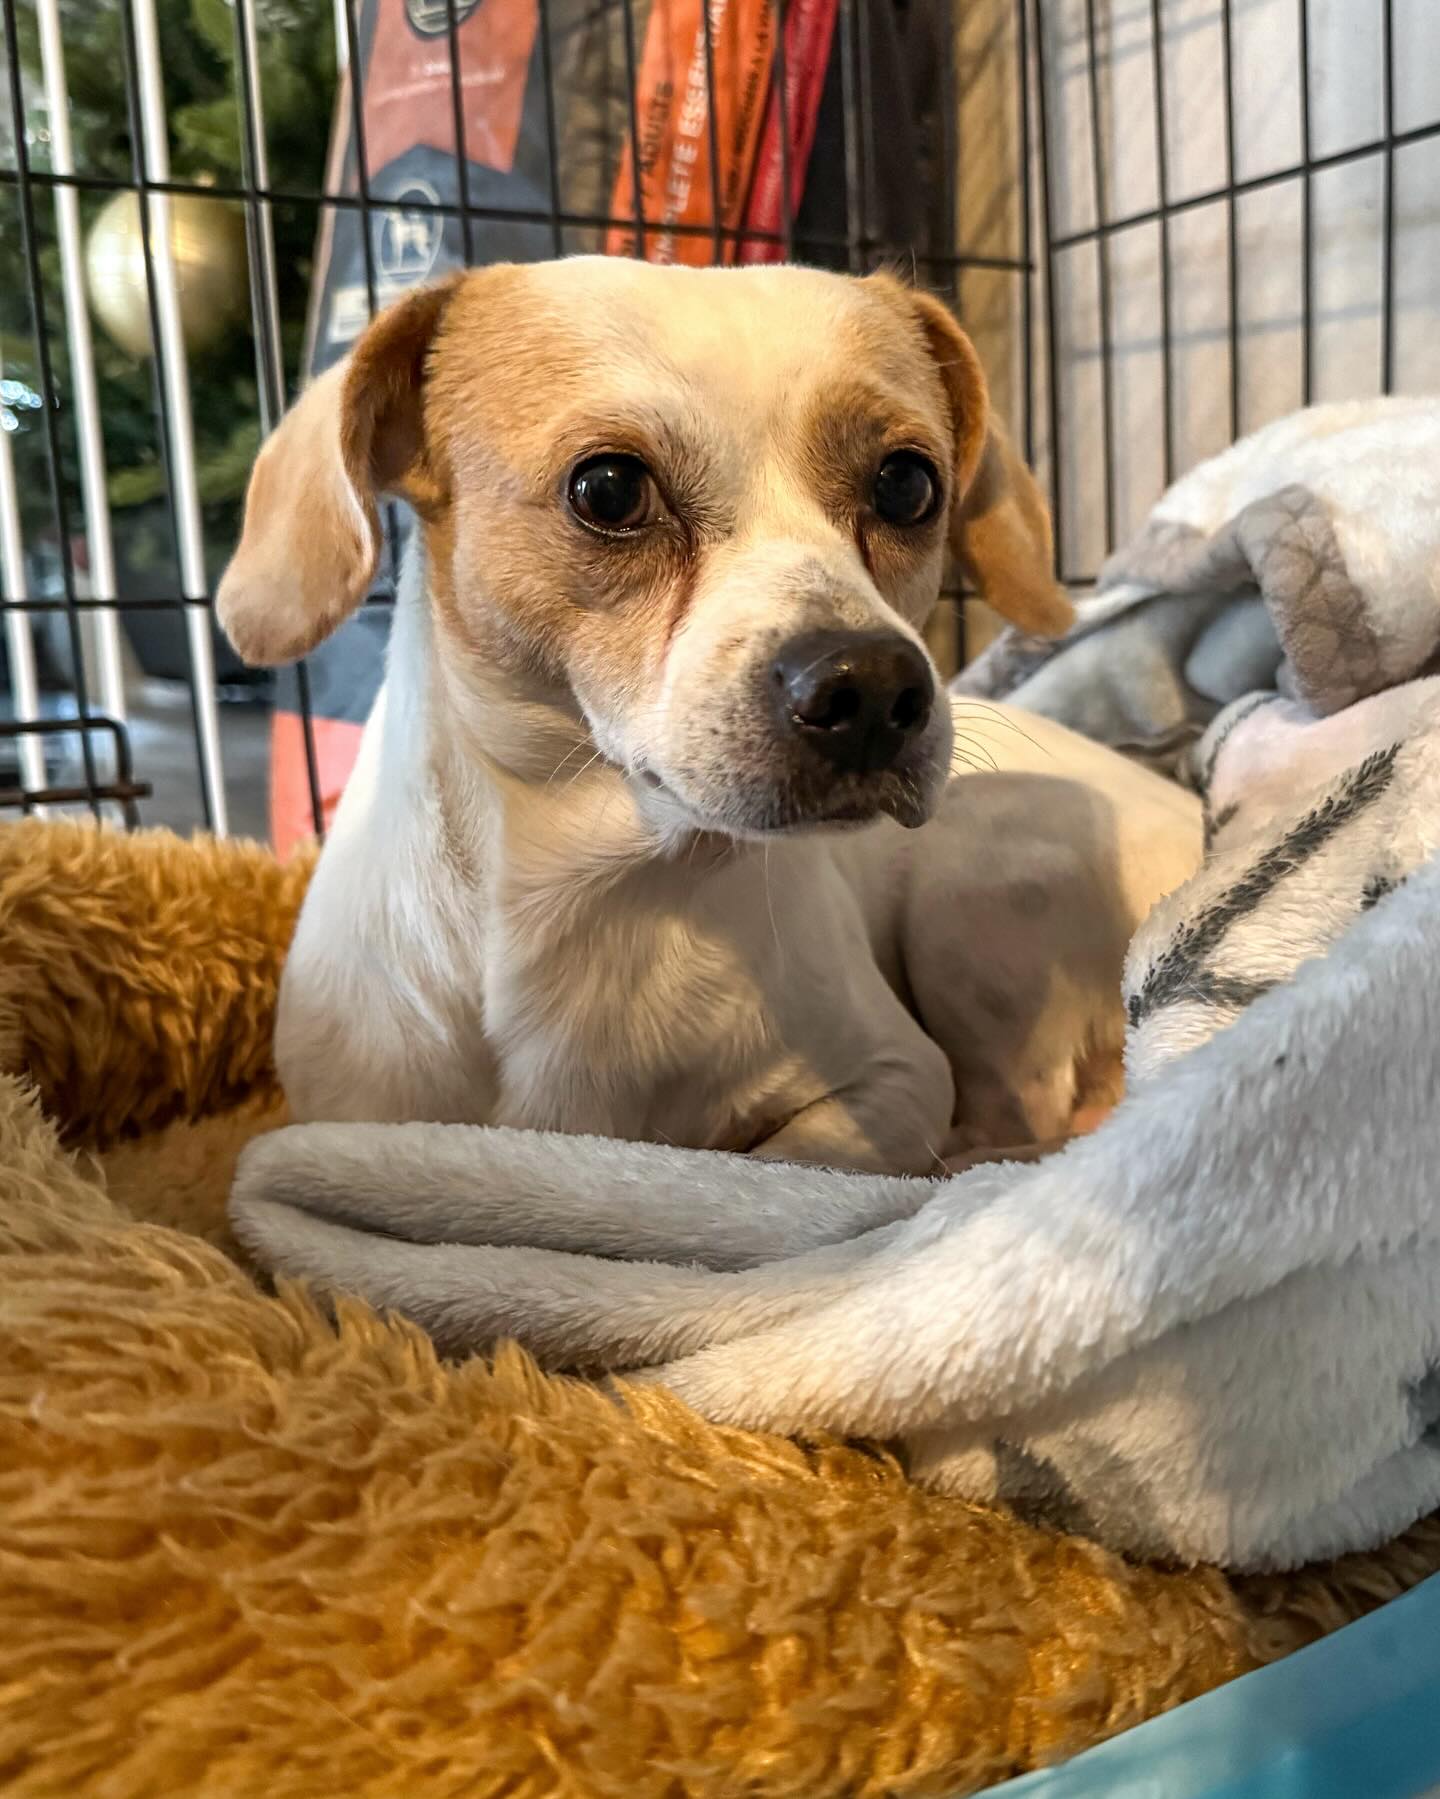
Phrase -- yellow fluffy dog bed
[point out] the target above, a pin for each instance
(244, 1550)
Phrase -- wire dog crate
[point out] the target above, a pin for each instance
(1162, 221)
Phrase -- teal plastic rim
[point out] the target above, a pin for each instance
(1354, 1716)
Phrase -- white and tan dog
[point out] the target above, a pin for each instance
(623, 852)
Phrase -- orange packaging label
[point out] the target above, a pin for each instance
(409, 98)
(672, 109)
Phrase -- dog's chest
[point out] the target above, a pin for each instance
(536, 987)
(634, 1016)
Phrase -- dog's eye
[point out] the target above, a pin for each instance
(613, 494)
(907, 489)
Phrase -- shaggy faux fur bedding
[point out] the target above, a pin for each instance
(245, 1550)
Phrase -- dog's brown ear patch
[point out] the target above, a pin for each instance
(1002, 536)
(999, 522)
(311, 538)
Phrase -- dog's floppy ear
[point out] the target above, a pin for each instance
(311, 539)
(999, 522)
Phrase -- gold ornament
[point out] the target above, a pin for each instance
(207, 243)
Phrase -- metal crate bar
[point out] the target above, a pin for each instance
(99, 545)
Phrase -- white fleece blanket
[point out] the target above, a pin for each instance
(1210, 1331)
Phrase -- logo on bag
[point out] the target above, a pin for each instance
(407, 238)
(431, 18)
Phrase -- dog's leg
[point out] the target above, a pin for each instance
(891, 1116)
(833, 1134)
(455, 1183)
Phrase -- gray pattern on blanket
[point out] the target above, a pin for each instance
(1179, 971)
(1425, 1401)
(1319, 613)
(1035, 1488)
(1284, 545)
(1278, 889)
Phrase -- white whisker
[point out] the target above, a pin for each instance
(770, 903)
(991, 715)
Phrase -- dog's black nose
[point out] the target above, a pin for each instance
(855, 697)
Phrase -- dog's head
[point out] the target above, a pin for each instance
(707, 509)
